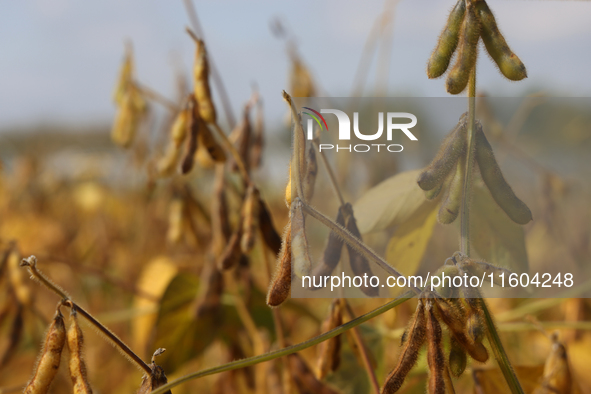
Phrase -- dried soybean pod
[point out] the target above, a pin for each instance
(201, 87)
(452, 147)
(459, 74)
(302, 264)
(77, 365)
(156, 378)
(496, 46)
(270, 235)
(125, 76)
(250, 218)
(281, 283)
(557, 377)
(410, 352)
(496, 183)
(457, 325)
(126, 122)
(433, 193)
(475, 326)
(448, 41)
(220, 224)
(359, 264)
(450, 207)
(435, 357)
(178, 130)
(166, 164)
(215, 150)
(330, 351)
(244, 139)
(332, 251)
(311, 171)
(195, 124)
(50, 358)
(457, 357)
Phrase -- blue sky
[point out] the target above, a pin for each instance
(60, 57)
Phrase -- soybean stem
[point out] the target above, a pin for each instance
(288, 350)
(465, 209)
(113, 338)
(492, 334)
(299, 149)
(331, 176)
(31, 264)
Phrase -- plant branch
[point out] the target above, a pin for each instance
(288, 350)
(299, 151)
(154, 95)
(492, 334)
(31, 264)
(499, 351)
(331, 176)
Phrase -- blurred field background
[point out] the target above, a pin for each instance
(114, 236)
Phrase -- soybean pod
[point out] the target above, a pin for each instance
(498, 49)
(448, 42)
(496, 183)
(458, 76)
(453, 146)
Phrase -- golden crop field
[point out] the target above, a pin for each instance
(171, 252)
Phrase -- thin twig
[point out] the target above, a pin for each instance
(288, 350)
(158, 97)
(31, 264)
(465, 208)
(331, 176)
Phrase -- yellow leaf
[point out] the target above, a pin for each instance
(392, 202)
(153, 280)
(408, 244)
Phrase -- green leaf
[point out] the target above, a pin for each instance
(392, 202)
(185, 336)
(495, 237)
(176, 327)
